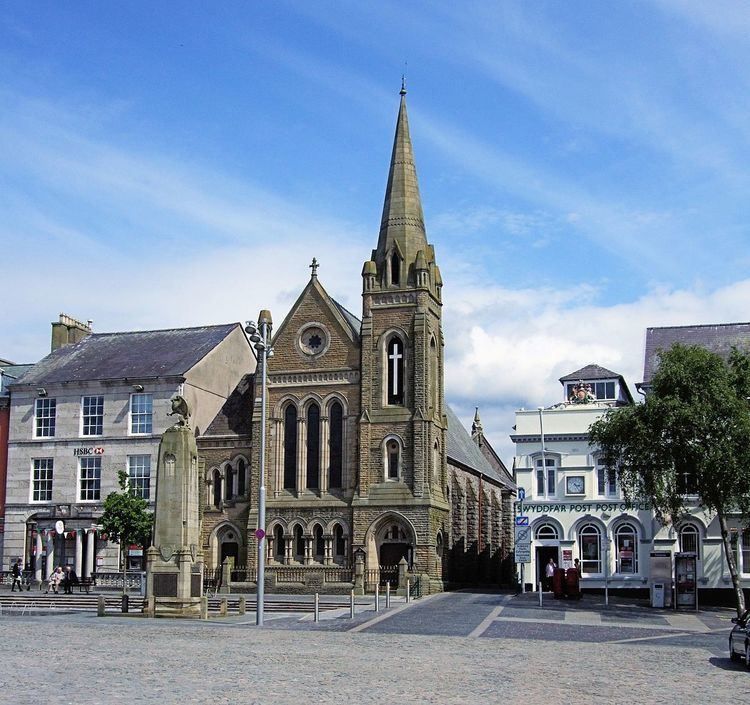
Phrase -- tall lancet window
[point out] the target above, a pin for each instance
(336, 442)
(395, 269)
(313, 446)
(290, 447)
(395, 349)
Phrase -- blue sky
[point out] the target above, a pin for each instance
(583, 167)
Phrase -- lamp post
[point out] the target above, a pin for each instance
(260, 336)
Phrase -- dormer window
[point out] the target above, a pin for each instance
(602, 391)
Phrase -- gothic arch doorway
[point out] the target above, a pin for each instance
(389, 539)
(227, 543)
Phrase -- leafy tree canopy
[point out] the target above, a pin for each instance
(689, 442)
(126, 517)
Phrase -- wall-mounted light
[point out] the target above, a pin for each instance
(138, 387)
(41, 391)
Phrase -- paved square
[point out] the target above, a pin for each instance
(453, 648)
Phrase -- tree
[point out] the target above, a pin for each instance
(126, 518)
(688, 442)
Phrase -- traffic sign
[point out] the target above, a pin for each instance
(523, 534)
(259, 534)
(521, 494)
(523, 553)
(522, 520)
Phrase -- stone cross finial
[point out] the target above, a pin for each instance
(403, 84)
(314, 266)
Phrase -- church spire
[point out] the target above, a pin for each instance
(402, 226)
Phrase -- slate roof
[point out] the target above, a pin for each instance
(719, 338)
(131, 355)
(235, 417)
(590, 372)
(463, 450)
(11, 374)
(351, 319)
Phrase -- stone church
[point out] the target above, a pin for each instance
(365, 460)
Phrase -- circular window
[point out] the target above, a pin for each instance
(313, 340)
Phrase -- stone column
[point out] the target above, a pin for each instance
(308, 550)
(359, 573)
(38, 553)
(288, 549)
(269, 543)
(325, 453)
(328, 555)
(90, 552)
(277, 434)
(79, 553)
(50, 556)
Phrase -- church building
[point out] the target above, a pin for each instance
(364, 457)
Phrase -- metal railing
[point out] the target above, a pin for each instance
(415, 588)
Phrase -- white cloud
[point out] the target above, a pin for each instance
(508, 349)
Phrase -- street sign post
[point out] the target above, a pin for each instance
(522, 521)
(523, 553)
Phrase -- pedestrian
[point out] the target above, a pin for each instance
(16, 571)
(69, 580)
(549, 571)
(54, 580)
(577, 566)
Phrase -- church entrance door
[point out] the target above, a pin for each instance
(390, 555)
(230, 549)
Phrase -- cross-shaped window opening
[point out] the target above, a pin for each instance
(395, 371)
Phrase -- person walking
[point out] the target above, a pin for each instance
(16, 572)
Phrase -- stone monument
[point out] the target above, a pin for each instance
(174, 564)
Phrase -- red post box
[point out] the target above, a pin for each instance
(572, 584)
(558, 583)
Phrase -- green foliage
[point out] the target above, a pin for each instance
(691, 436)
(126, 517)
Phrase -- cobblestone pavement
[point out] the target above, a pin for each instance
(454, 648)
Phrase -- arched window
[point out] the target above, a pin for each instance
(392, 456)
(313, 446)
(228, 482)
(589, 548)
(395, 376)
(338, 541)
(241, 478)
(217, 489)
(546, 532)
(626, 546)
(395, 269)
(319, 543)
(290, 447)
(299, 543)
(336, 444)
(278, 543)
(689, 542)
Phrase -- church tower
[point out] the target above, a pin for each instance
(402, 439)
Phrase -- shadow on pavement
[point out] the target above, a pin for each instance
(725, 664)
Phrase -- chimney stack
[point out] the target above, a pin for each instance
(68, 331)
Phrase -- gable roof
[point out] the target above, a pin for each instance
(719, 338)
(131, 355)
(236, 416)
(462, 449)
(348, 321)
(11, 374)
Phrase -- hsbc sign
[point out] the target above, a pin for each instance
(88, 450)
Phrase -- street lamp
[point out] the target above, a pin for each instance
(260, 337)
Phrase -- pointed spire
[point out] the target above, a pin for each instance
(403, 221)
(477, 432)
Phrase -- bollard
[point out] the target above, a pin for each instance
(100, 606)
(242, 607)
(351, 605)
(408, 590)
(387, 595)
(223, 607)
(317, 607)
(377, 597)
(540, 595)
(125, 603)
(204, 607)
